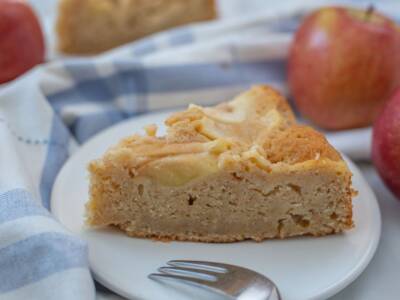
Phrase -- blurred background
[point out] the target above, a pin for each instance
(227, 9)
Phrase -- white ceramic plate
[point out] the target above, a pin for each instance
(303, 268)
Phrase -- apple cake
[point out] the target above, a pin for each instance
(240, 170)
(93, 26)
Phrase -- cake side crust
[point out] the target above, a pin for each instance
(230, 205)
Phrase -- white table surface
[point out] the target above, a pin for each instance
(381, 278)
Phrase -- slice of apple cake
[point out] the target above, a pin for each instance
(240, 170)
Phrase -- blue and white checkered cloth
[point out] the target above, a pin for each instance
(46, 114)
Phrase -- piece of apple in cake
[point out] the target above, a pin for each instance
(240, 170)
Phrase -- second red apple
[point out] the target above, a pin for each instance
(343, 65)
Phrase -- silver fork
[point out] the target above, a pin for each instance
(229, 280)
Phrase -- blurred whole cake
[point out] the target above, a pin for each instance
(93, 26)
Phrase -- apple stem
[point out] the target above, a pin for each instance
(369, 11)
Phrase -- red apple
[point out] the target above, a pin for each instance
(386, 143)
(343, 65)
(21, 39)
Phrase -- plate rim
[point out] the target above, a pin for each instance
(373, 246)
(329, 291)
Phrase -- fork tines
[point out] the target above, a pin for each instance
(194, 272)
(226, 279)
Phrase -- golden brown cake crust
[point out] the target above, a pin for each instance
(93, 26)
(247, 123)
(298, 143)
(240, 170)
